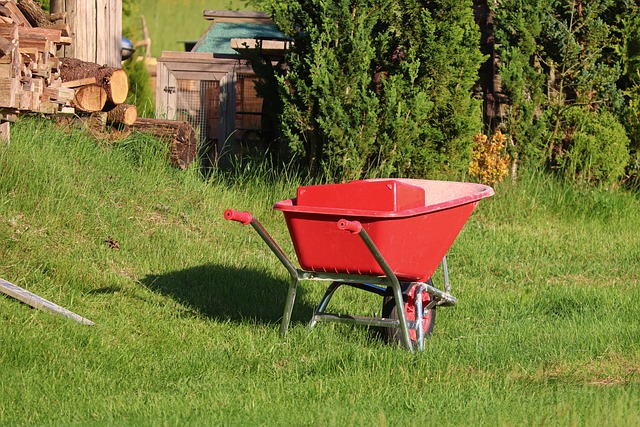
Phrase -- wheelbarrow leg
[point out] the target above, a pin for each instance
(288, 306)
(402, 318)
(323, 302)
(419, 316)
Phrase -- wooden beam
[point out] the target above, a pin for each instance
(266, 46)
(79, 82)
(9, 114)
(173, 56)
(38, 302)
(5, 132)
(237, 16)
(198, 75)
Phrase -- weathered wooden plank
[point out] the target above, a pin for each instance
(210, 67)
(236, 16)
(79, 82)
(226, 131)
(51, 34)
(38, 302)
(6, 46)
(65, 30)
(9, 114)
(96, 29)
(9, 31)
(10, 92)
(114, 11)
(162, 80)
(198, 75)
(266, 46)
(171, 55)
(17, 15)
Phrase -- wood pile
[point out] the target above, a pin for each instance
(29, 69)
(34, 80)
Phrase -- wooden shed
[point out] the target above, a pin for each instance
(213, 88)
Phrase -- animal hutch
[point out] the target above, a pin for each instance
(213, 88)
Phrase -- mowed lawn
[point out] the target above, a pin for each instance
(187, 305)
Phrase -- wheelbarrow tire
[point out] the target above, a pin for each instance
(394, 335)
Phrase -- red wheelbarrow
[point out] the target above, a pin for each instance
(385, 236)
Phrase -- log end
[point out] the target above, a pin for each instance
(90, 98)
(119, 85)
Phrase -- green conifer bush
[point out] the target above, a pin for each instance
(379, 88)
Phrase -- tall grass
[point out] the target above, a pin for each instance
(187, 308)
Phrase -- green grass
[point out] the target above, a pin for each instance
(546, 331)
(170, 23)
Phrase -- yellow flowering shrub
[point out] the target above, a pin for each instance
(490, 161)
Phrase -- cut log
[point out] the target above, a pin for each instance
(123, 114)
(90, 98)
(180, 137)
(36, 16)
(113, 80)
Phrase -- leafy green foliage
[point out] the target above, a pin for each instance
(556, 54)
(630, 54)
(379, 88)
(589, 146)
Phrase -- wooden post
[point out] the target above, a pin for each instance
(226, 136)
(146, 41)
(38, 302)
(56, 6)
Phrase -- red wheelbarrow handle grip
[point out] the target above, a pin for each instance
(242, 217)
(352, 226)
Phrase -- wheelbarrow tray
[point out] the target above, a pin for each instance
(413, 224)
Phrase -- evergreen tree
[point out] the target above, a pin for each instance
(561, 55)
(379, 88)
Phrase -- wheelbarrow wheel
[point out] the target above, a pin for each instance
(394, 335)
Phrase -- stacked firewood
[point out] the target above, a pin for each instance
(34, 80)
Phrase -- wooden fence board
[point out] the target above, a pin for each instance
(96, 28)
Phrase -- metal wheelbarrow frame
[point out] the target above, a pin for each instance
(380, 274)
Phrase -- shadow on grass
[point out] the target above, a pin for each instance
(227, 293)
